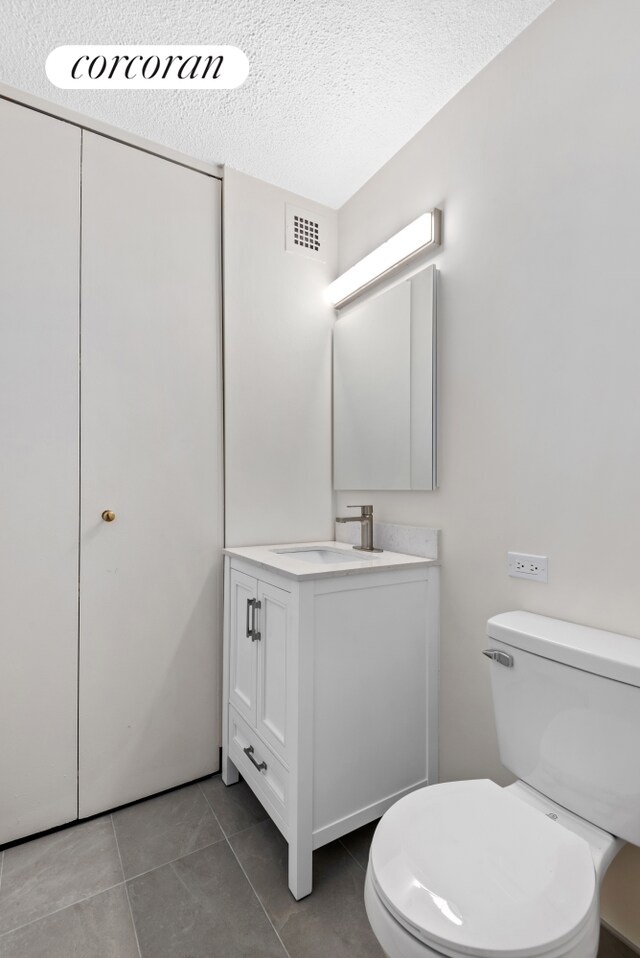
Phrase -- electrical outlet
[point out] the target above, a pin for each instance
(527, 567)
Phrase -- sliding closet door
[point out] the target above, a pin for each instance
(151, 454)
(39, 262)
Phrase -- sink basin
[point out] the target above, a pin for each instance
(324, 556)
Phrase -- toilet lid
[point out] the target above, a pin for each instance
(466, 867)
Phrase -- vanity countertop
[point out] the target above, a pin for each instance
(280, 558)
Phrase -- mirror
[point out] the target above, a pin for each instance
(384, 389)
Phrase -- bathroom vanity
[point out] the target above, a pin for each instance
(330, 686)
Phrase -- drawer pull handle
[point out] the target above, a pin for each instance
(248, 751)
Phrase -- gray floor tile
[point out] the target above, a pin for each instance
(155, 832)
(330, 922)
(100, 927)
(359, 842)
(200, 907)
(611, 947)
(235, 806)
(49, 873)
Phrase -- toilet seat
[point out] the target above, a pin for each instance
(469, 869)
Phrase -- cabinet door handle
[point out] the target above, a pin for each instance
(248, 751)
(250, 605)
(255, 633)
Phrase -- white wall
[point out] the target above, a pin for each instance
(277, 347)
(536, 164)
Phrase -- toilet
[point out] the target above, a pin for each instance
(473, 869)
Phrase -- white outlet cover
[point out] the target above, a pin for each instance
(522, 565)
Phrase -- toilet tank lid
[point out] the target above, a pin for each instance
(608, 654)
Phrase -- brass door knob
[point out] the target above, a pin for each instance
(108, 515)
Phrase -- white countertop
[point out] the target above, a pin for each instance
(278, 559)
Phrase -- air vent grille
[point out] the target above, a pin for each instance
(304, 233)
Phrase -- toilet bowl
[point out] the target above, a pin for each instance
(472, 869)
(469, 868)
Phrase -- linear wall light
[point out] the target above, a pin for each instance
(397, 251)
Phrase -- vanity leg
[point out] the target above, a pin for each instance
(300, 868)
(230, 774)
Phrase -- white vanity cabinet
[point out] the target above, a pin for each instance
(330, 688)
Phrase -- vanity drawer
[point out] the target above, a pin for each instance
(269, 782)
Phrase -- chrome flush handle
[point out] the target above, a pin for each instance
(502, 658)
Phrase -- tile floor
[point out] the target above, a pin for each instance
(197, 873)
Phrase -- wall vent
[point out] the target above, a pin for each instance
(304, 233)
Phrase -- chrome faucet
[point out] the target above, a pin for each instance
(366, 527)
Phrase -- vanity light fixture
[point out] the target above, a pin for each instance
(418, 236)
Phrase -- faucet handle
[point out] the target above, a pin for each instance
(365, 510)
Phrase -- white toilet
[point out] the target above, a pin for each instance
(470, 868)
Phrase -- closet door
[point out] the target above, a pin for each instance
(150, 611)
(39, 263)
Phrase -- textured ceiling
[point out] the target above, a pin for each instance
(335, 88)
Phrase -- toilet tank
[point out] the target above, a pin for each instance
(568, 715)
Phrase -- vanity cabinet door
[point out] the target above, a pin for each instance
(275, 687)
(261, 630)
(243, 655)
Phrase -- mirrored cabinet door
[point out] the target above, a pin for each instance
(384, 389)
